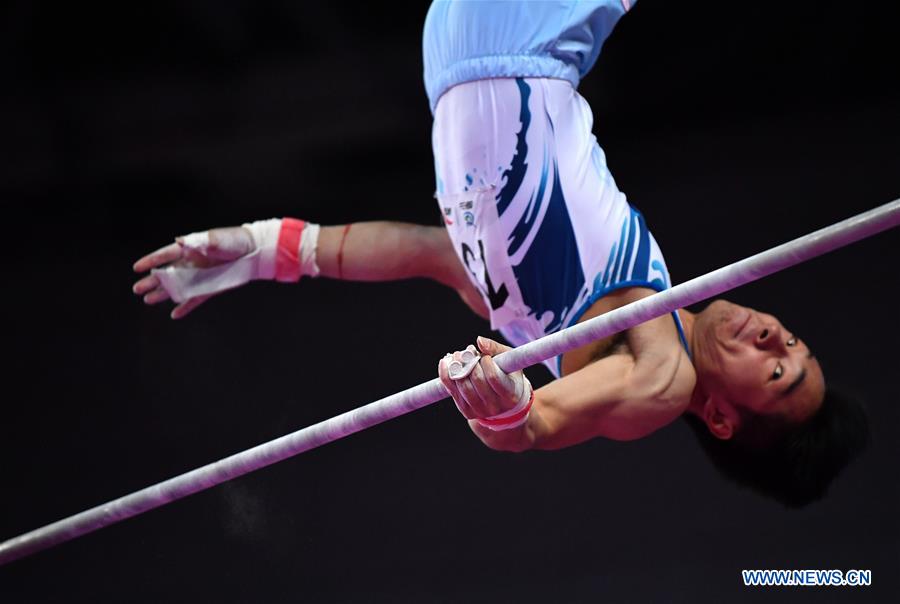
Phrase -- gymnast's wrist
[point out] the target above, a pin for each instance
(515, 417)
(287, 248)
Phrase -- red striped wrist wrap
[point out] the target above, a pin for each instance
(500, 423)
(287, 257)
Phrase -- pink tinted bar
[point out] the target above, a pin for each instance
(682, 295)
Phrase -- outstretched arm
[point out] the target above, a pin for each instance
(388, 251)
(364, 251)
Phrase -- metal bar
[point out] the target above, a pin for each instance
(693, 291)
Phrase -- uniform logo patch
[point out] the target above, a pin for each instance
(465, 205)
(469, 217)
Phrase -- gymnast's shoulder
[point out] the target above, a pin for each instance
(623, 388)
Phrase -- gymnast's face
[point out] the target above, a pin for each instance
(749, 360)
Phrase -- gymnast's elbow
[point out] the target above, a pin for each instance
(641, 417)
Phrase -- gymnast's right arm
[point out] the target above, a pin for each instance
(289, 249)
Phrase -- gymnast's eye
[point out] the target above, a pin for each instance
(779, 371)
(792, 341)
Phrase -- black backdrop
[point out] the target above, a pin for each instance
(732, 126)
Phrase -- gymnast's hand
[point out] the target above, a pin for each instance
(487, 392)
(224, 245)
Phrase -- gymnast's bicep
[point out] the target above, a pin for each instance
(614, 398)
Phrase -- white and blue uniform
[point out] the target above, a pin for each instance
(531, 208)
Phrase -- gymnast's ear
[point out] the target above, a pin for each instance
(719, 417)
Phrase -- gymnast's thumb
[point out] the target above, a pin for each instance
(488, 346)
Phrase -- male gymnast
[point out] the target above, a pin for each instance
(537, 237)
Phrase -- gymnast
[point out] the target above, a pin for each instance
(537, 237)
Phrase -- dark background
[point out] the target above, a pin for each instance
(732, 126)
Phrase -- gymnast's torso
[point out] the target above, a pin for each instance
(531, 208)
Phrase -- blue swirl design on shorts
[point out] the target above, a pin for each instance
(516, 172)
(550, 276)
(532, 210)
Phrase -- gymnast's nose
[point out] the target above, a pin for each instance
(769, 335)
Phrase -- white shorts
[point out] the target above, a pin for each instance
(532, 210)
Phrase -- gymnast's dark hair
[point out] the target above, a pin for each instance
(793, 464)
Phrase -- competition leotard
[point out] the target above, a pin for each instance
(532, 210)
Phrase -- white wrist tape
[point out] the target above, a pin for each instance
(198, 242)
(309, 242)
(265, 237)
(284, 250)
(517, 416)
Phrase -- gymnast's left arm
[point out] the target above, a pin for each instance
(620, 397)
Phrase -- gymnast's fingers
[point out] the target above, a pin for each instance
(492, 404)
(505, 385)
(156, 296)
(452, 388)
(187, 306)
(147, 284)
(472, 398)
(163, 255)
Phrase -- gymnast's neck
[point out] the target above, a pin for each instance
(698, 397)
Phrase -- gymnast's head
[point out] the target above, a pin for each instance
(761, 409)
